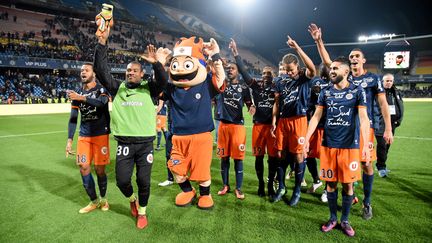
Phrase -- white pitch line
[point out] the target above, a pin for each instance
(402, 137)
(417, 138)
(31, 134)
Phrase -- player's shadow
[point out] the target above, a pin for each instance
(416, 190)
(122, 208)
(60, 185)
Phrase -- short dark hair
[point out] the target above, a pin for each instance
(88, 64)
(230, 63)
(290, 58)
(137, 63)
(360, 50)
(342, 60)
(324, 71)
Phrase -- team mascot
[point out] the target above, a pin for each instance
(194, 82)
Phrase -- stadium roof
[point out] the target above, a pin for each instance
(269, 21)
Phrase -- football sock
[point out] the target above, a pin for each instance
(238, 166)
(312, 167)
(346, 205)
(142, 210)
(159, 136)
(281, 176)
(102, 183)
(259, 169)
(89, 186)
(367, 188)
(186, 186)
(132, 198)
(204, 190)
(165, 133)
(271, 171)
(170, 175)
(299, 174)
(332, 202)
(289, 160)
(225, 165)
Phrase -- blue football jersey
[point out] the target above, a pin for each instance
(342, 126)
(95, 121)
(317, 84)
(263, 97)
(293, 96)
(230, 103)
(190, 109)
(372, 85)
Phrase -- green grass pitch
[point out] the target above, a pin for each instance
(41, 193)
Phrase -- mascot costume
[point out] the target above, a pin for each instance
(190, 92)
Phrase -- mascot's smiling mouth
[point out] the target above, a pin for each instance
(184, 77)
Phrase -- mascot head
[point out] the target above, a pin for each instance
(188, 66)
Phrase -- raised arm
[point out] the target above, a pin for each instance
(101, 65)
(316, 34)
(240, 65)
(310, 67)
(157, 59)
(212, 50)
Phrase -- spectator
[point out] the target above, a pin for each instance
(396, 108)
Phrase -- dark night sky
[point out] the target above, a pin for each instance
(267, 22)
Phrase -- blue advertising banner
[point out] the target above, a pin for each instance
(47, 63)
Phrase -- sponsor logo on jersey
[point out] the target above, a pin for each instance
(349, 96)
(364, 84)
(131, 103)
(129, 95)
(339, 95)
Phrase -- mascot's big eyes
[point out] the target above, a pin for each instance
(175, 65)
(188, 65)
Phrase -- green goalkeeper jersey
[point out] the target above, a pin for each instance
(133, 112)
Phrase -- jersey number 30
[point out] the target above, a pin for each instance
(122, 150)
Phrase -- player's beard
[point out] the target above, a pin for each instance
(85, 81)
(337, 79)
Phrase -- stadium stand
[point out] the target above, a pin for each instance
(24, 87)
(152, 13)
(56, 37)
(423, 65)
